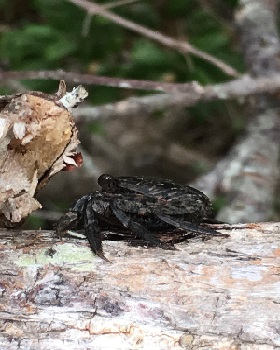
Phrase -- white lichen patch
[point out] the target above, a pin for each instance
(66, 254)
(73, 98)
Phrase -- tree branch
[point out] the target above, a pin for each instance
(114, 4)
(184, 95)
(235, 89)
(90, 79)
(183, 47)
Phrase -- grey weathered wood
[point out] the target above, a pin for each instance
(223, 293)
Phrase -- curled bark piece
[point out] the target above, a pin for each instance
(38, 138)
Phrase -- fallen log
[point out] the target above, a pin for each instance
(222, 293)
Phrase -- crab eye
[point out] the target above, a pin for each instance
(108, 182)
(103, 180)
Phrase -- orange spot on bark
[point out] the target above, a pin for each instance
(276, 252)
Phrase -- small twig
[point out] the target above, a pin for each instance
(87, 20)
(208, 8)
(183, 47)
(119, 3)
(89, 79)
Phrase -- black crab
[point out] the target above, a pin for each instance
(141, 206)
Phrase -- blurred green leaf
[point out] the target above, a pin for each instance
(35, 45)
(33, 222)
(219, 202)
(147, 53)
(60, 49)
(96, 128)
(212, 42)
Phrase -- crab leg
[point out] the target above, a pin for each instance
(185, 225)
(66, 222)
(92, 231)
(71, 220)
(137, 229)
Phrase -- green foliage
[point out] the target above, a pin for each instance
(57, 34)
(148, 54)
(39, 35)
(35, 45)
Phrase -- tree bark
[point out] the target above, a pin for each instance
(223, 293)
(248, 175)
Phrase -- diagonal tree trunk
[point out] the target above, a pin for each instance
(249, 174)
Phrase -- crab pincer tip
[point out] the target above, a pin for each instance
(103, 257)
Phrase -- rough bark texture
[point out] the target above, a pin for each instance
(223, 293)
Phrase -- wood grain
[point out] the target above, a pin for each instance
(223, 293)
